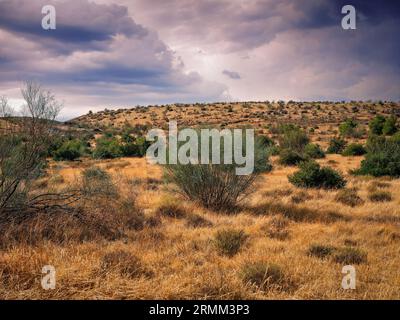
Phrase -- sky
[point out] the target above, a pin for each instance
(122, 53)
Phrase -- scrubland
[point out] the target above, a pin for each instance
(132, 235)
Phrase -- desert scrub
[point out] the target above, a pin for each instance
(380, 196)
(336, 145)
(312, 175)
(320, 251)
(229, 241)
(382, 158)
(289, 157)
(124, 263)
(169, 207)
(261, 275)
(300, 197)
(354, 149)
(217, 186)
(314, 151)
(349, 197)
(349, 255)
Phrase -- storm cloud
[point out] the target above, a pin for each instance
(117, 53)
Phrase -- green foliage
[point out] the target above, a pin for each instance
(290, 157)
(382, 158)
(311, 175)
(336, 145)
(389, 127)
(217, 186)
(136, 148)
(313, 151)
(69, 150)
(350, 128)
(376, 125)
(354, 149)
(107, 148)
(294, 139)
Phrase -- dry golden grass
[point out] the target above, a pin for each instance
(172, 257)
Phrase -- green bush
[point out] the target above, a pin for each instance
(135, 148)
(217, 186)
(389, 127)
(354, 149)
(336, 145)
(294, 139)
(107, 148)
(69, 150)
(382, 158)
(376, 124)
(350, 128)
(311, 175)
(289, 157)
(313, 151)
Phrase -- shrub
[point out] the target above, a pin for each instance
(382, 158)
(320, 251)
(294, 139)
(229, 241)
(376, 125)
(349, 128)
(314, 151)
(170, 208)
(262, 275)
(216, 186)
(69, 150)
(389, 127)
(349, 197)
(137, 148)
(197, 221)
(311, 175)
(336, 145)
(380, 196)
(349, 255)
(290, 158)
(354, 149)
(107, 148)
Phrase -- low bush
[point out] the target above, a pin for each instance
(229, 241)
(289, 157)
(313, 151)
(376, 125)
(354, 149)
(107, 148)
(311, 175)
(171, 208)
(69, 150)
(294, 139)
(217, 186)
(336, 145)
(382, 158)
(389, 127)
(350, 128)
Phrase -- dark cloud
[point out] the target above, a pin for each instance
(231, 74)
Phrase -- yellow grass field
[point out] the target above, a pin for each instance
(178, 257)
